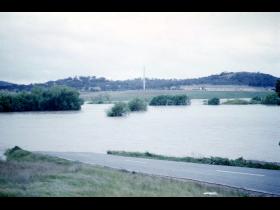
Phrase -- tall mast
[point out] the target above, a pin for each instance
(144, 79)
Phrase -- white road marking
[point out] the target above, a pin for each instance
(234, 172)
(135, 161)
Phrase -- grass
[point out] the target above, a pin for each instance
(240, 162)
(149, 94)
(237, 102)
(100, 99)
(29, 174)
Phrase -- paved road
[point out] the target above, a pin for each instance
(260, 180)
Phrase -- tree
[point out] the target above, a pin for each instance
(271, 99)
(256, 100)
(119, 109)
(137, 105)
(167, 100)
(5, 102)
(55, 98)
(214, 101)
(277, 87)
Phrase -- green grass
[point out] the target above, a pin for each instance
(149, 94)
(240, 162)
(29, 174)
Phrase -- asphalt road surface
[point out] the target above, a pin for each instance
(259, 180)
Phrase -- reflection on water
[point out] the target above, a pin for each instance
(250, 131)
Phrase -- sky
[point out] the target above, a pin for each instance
(37, 47)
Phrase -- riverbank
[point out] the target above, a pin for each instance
(30, 174)
(239, 162)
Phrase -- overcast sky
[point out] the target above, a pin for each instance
(37, 47)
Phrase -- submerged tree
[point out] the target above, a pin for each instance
(214, 101)
(119, 109)
(167, 100)
(137, 105)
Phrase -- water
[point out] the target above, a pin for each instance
(251, 131)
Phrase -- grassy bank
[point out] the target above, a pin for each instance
(28, 174)
(237, 102)
(240, 162)
(149, 94)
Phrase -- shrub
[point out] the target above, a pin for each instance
(55, 98)
(256, 100)
(119, 109)
(137, 105)
(271, 99)
(167, 100)
(214, 101)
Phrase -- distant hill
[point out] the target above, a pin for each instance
(5, 84)
(239, 78)
(92, 83)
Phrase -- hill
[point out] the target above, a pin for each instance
(92, 83)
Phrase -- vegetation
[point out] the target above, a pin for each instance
(100, 99)
(55, 98)
(167, 100)
(277, 87)
(92, 83)
(30, 174)
(119, 109)
(214, 101)
(212, 160)
(149, 94)
(236, 102)
(272, 99)
(256, 100)
(137, 105)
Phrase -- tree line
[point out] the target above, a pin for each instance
(41, 99)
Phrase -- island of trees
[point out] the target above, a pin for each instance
(39, 99)
(169, 100)
(121, 108)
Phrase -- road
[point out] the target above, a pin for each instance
(258, 180)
